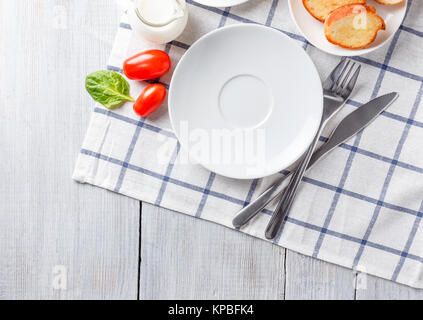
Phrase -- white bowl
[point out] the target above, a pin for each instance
(220, 3)
(245, 101)
(312, 29)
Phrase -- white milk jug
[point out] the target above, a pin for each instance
(158, 21)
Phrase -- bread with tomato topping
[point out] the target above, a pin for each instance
(320, 9)
(353, 26)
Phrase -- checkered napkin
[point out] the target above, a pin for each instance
(360, 207)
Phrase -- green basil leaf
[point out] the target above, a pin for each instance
(108, 87)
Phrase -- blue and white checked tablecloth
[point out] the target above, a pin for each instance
(360, 208)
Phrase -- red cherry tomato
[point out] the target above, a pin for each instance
(150, 99)
(147, 65)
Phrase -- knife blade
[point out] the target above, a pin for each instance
(354, 123)
(347, 128)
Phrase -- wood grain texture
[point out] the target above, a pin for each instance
(46, 219)
(312, 279)
(372, 288)
(186, 258)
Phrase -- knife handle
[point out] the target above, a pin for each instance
(252, 209)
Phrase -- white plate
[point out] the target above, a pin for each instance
(220, 3)
(312, 29)
(257, 88)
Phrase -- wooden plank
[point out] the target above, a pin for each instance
(51, 226)
(187, 258)
(373, 288)
(312, 279)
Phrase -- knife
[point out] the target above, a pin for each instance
(347, 128)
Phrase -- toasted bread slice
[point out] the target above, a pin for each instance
(320, 9)
(353, 26)
(389, 1)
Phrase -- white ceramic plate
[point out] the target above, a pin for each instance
(312, 29)
(256, 88)
(220, 3)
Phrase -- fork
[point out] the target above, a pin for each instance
(336, 90)
(278, 187)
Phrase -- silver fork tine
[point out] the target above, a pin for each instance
(338, 80)
(333, 103)
(330, 80)
(351, 84)
(346, 78)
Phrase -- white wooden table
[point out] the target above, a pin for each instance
(106, 245)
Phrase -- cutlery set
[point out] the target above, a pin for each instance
(337, 89)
